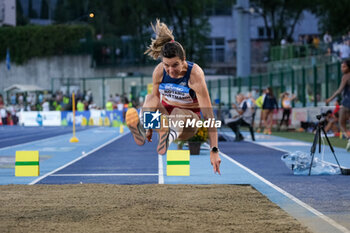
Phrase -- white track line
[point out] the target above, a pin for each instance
(160, 170)
(110, 174)
(290, 196)
(77, 159)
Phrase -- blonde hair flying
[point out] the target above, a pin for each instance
(163, 36)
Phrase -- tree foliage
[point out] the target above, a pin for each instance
(20, 18)
(25, 42)
(334, 15)
(133, 17)
(281, 16)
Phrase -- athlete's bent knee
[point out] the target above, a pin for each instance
(151, 98)
(151, 102)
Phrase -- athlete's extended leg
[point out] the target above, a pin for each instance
(135, 121)
(343, 117)
(152, 103)
(183, 115)
(136, 128)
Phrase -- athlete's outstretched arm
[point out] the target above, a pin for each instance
(197, 83)
(340, 89)
(156, 79)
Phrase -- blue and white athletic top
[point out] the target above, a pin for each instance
(176, 90)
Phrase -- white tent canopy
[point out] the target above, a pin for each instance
(23, 88)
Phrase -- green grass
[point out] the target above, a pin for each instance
(309, 137)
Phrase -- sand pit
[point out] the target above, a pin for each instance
(140, 208)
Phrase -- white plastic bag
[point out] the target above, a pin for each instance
(299, 162)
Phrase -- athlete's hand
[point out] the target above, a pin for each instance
(327, 101)
(149, 135)
(215, 161)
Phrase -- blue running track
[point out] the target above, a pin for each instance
(113, 164)
(14, 135)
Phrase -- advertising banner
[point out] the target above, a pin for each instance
(51, 118)
(93, 118)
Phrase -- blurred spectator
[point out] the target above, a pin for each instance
(332, 119)
(78, 95)
(286, 103)
(344, 50)
(309, 40)
(3, 113)
(13, 99)
(66, 103)
(316, 41)
(301, 40)
(120, 106)
(45, 105)
(40, 98)
(88, 96)
(259, 103)
(80, 106)
(117, 98)
(125, 99)
(2, 104)
(20, 99)
(29, 100)
(252, 105)
(243, 118)
(92, 106)
(109, 105)
(269, 105)
(12, 114)
(327, 39)
(86, 105)
(283, 42)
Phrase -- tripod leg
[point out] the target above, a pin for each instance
(314, 144)
(313, 147)
(319, 139)
(312, 159)
(330, 145)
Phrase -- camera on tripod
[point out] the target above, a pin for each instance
(319, 116)
(322, 118)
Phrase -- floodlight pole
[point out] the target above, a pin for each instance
(243, 38)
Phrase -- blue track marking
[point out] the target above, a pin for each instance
(112, 164)
(14, 135)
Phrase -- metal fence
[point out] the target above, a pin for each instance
(311, 84)
(290, 51)
(103, 87)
